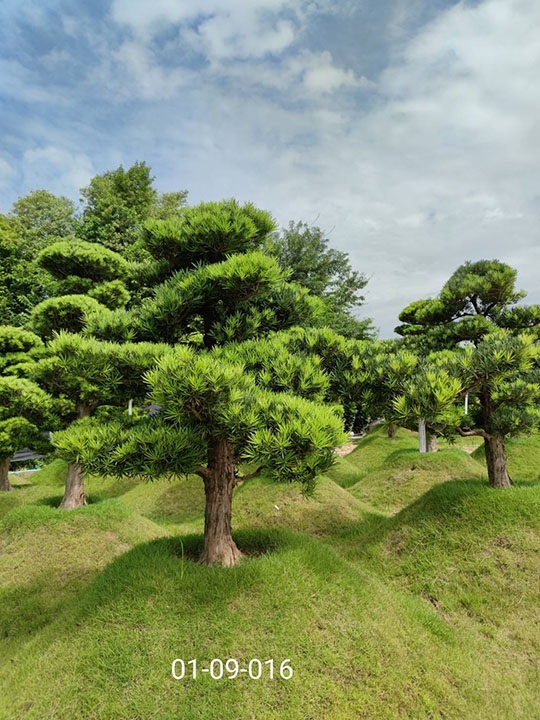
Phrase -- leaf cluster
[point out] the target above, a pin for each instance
(67, 312)
(477, 298)
(201, 397)
(92, 372)
(17, 348)
(210, 293)
(207, 233)
(82, 259)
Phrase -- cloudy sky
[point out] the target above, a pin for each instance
(409, 130)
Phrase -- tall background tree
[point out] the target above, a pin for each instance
(326, 272)
(116, 203)
(478, 305)
(23, 282)
(43, 218)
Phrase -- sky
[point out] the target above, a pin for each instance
(408, 130)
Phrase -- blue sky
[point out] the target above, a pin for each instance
(409, 130)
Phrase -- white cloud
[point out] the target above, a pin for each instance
(222, 29)
(446, 168)
(239, 40)
(141, 75)
(319, 74)
(223, 37)
(437, 163)
(55, 57)
(70, 25)
(22, 84)
(6, 173)
(58, 170)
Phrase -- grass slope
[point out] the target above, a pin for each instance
(405, 589)
(388, 474)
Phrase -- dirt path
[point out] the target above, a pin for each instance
(345, 449)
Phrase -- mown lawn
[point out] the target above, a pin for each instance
(405, 589)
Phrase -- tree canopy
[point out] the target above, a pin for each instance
(218, 289)
(477, 297)
(304, 251)
(43, 218)
(24, 406)
(495, 353)
(23, 282)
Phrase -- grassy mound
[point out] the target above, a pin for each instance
(263, 503)
(523, 455)
(388, 474)
(356, 648)
(405, 589)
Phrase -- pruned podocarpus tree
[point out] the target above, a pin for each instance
(87, 374)
(380, 372)
(478, 305)
(24, 406)
(478, 297)
(89, 281)
(502, 375)
(337, 357)
(213, 418)
(428, 395)
(363, 376)
(216, 289)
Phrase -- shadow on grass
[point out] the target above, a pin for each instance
(138, 573)
(170, 567)
(19, 484)
(55, 500)
(446, 507)
(443, 501)
(24, 610)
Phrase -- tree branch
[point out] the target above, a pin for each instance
(474, 302)
(472, 433)
(202, 472)
(255, 474)
(190, 407)
(470, 388)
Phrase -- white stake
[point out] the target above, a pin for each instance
(422, 435)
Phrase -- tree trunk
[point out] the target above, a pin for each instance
(4, 474)
(496, 462)
(392, 430)
(219, 482)
(74, 496)
(431, 442)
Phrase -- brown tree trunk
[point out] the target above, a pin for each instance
(496, 462)
(392, 430)
(74, 496)
(431, 443)
(219, 482)
(4, 474)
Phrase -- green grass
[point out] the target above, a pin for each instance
(405, 589)
(387, 474)
(523, 456)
